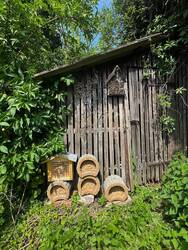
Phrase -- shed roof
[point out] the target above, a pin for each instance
(103, 57)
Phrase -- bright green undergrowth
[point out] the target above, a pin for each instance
(156, 219)
(135, 226)
(175, 199)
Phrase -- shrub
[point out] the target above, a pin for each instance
(175, 198)
(32, 115)
(134, 226)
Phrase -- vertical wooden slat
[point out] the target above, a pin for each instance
(161, 148)
(129, 174)
(95, 116)
(77, 124)
(122, 136)
(133, 93)
(70, 121)
(143, 160)
(106, 141)
(181, 136)
(147, 134)
(100, 124)
(176, 115)
(184, 108)
(111, 141)
(65, 138)
(150, 130)
(165, 141)
(83, 117)
(179, 110)
(134, 114)
(156, 155)
(138, 125)
(89, 115)
(116, 136)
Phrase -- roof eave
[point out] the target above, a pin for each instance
(112, 54)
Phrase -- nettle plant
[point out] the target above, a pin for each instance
(32, 115)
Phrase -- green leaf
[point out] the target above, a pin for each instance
(27, 177)
(4, 124)
(3, 169)
(13, 111)
(20, 73)
(175, 243)
(4, 149)
(185, 201)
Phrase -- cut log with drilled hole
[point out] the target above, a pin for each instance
(88, 185)
(58, 190)
(88, 165)
(115, 189)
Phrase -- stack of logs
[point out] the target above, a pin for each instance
(60, 174)
(88, 169)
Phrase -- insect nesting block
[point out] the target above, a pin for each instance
(60, 167)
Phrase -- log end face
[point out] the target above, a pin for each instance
(88, 186)
(116, 193)
(58, 190)
(87, 165)
(115, 189)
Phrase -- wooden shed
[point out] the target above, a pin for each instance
(115, 112)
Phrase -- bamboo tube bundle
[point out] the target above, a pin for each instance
(58, 190)
(88, 185)
(88, 165)
(115, 189)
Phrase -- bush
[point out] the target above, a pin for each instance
(134, 226)
(175, 199)
(32, 115)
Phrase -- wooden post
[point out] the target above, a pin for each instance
(128, 139)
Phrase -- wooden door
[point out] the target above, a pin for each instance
(97, 125)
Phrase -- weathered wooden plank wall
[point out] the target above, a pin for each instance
(180, 106)
(105, 125)
(96, 124)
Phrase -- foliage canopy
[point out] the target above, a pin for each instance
(35, 35)
(132, 19)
